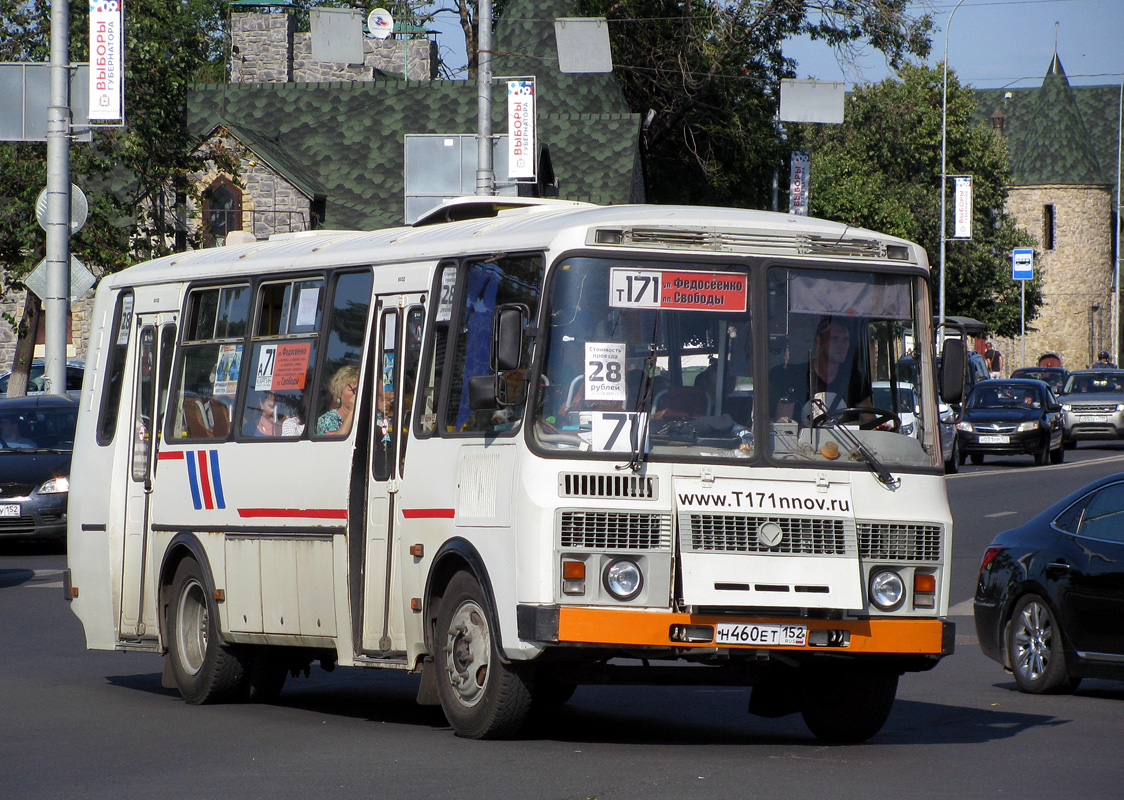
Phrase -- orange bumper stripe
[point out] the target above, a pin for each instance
(652, 628)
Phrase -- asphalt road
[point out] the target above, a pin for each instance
(92, 724)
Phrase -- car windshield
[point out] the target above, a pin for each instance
(1005, 395)
(659, 359)
(38, 428)
(1095, 382)
(1055, 379)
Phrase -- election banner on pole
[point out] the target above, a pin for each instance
(107, 61)
(798, 183)
(962, 207)
(521, 128)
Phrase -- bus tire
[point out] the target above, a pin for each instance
(482, 697)
(848, 704)
(205, 670)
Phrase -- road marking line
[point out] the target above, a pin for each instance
(1000, 514)
(1070, 465)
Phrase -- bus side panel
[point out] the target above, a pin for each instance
(96, 501)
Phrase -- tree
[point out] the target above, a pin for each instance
(881, 169)
(708, 74)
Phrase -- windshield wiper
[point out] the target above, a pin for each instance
(847, 437)
(638, 434)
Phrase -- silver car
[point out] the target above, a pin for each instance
(1093, 405)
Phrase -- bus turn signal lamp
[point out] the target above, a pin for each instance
(924, 590)
(573, 577)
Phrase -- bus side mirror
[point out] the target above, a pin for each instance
(953, 361)
(483, 392)
(507, 338)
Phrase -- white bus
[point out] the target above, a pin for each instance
(556, 445)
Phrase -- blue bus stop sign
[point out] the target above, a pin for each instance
(1022, 264)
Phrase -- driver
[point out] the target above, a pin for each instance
(832, 375)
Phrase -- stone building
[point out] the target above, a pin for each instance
(1063, 145)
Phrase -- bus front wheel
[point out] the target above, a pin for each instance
(205, 670)
(482, 697)
(848, 704)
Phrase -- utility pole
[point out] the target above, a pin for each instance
(56, 305)
(485, 174)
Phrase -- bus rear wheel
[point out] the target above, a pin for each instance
(205, 670)
(482, 697)
(848, 704)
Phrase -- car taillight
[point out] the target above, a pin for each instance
(989, 555)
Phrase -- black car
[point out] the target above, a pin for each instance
(36, 442)
(1049, 604)
(1054, 377)
(1011, 417)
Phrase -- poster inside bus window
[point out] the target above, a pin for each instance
(227, 368)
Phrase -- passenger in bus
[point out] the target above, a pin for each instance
(12, 436)
(343, 388)
(206, 418)
(832, 379)
(264, 418)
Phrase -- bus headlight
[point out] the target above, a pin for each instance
(887, 590)
(623, 579)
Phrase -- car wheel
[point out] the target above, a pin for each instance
(977, 458)
(1034, 646)
(1058, 456)
(205, 670)
(952, 466)
(848, 703)
(1069, 444)
(482, 697)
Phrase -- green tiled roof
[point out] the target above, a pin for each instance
(1057, 133)
(347, 139)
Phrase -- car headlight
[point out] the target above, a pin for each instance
(1120, 406)
(964, 425)
(623, 579)
(60, 485)
(887, 589)
(1028, 426)
(1067, 407)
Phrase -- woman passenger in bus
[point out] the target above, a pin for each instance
(343, 387)
(264, 420)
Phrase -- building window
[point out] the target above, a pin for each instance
(222, 211)
(1048, 227)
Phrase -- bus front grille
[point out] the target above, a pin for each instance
(729, 533)
(631, 487)
(614, 530)
(899, 541)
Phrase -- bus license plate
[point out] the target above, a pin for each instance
(995, 440)
(738, 633)
(11, 510)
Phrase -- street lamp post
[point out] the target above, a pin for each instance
(944, 156)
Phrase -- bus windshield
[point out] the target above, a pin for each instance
(659, 360)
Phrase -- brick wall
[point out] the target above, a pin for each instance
(1076, 319)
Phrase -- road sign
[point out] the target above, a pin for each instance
(79, 209)
(81, 280)
(1022, 264)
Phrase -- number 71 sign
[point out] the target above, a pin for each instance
(619, 431)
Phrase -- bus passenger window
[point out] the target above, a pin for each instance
(343, 352)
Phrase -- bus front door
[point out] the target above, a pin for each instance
(154, 348)
(397, 344)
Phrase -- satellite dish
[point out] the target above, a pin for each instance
(380, 23)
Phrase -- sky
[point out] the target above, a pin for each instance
(995, 44)
(991, 43)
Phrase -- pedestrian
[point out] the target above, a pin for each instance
(994, 360)
(1103, 361)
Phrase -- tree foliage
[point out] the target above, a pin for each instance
(881, 169)
(707, 74)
